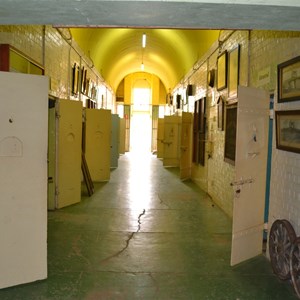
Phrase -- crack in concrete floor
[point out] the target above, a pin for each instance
(128, 240)
(161, 201)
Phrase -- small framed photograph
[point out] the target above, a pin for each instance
(288, 130)
(220, 104)
(222, 71)
(288, 74)
(230, 134)
(233, 72)
(75, 77)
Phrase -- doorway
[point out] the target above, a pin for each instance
(140, 128)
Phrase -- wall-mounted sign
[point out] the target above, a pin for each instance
(263, 76)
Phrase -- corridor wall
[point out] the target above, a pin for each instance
(260, 53)
(50, 48)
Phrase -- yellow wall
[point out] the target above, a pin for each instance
(157, 88)
(162, 94)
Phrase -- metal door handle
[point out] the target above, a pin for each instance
(242, 181)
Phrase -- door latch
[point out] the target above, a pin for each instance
(242, 182)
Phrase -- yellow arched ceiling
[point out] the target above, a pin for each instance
(169, 53)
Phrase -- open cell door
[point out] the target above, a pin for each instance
(160, 138)
(122, 135)
(172, 132)
(127, 127)
(51, 155)
(97, 143)
(69, 152)
(186, 146)
(250, 174)
(115, 140)
(23, 177)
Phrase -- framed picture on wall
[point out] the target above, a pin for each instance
(288, 74)
(222, 71)
(220, 104)
(230, 133)
(288, 130)
(199, 131)
(75, 77)
(233, 72)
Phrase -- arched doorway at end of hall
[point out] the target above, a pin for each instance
(140, 128)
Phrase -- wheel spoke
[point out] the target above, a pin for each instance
(295, 266)
(281, 238)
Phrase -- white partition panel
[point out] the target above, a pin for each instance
(23, 178)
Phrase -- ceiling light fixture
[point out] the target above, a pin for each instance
(144, 40)
(142, 66)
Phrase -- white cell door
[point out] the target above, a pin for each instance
(51, 158)
(160, 138)
(250, 174)
(69, 153)
(23, 178)
(186, 146)
(115, 139)
(172, 127)
(98, 141)
(122, 135)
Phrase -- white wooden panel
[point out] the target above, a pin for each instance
(115, 134)
(98, 141)
(250, 178)
(172, 134)
(186, 146)
(51, 158)
(122, 136)
(23, 178)
(160, 138)
(69, 153)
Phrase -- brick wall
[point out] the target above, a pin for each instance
(215, 177)
(259, 51)
(51, 48)
(268, 49)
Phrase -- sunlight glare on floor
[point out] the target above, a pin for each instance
(140, 151)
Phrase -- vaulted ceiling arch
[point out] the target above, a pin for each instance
(169, 53)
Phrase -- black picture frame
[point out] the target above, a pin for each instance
(222, 71)
(288, 80)
(288, 130)
(199, 131)
(230, 134)
(211, 78)
(75, 79)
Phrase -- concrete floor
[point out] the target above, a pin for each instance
(147, 235)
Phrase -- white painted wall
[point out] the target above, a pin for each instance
(58, 56)
(261, 52)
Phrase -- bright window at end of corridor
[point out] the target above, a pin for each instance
(141, 98)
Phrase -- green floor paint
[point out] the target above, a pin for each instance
(147, 235)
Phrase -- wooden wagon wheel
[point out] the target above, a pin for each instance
(281, 239)
(295, 265)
